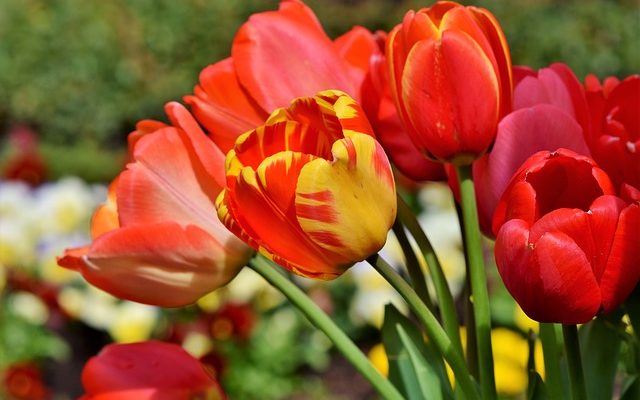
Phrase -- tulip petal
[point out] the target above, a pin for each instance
(356, 47)
(288, 44)
(105, 218)
(152, 370)
(167, 183)
(550, 279)
(520, 135)
(454, 101)
(621, 274)
(223, 106)
(266, 199)
(346, 205)
(162, 264)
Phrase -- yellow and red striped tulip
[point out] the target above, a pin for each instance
(311, 188)
(450, 74)
(157, 239)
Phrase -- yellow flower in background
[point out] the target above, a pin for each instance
(378, 357)
(133, 322)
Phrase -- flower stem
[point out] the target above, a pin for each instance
(551, 353)
(572, 348)
(443, 293)
(478, 280)
(416, 274)
(349, 350)
(433, 329)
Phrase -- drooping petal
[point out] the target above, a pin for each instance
(347, 205)
(551, 279)
(149, 370)
(520, 135)
(223, 106)
(284, 54)
(162, 264)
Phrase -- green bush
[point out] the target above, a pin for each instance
(85, 71)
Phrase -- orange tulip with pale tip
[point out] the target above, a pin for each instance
(157, 239)
(311, 188)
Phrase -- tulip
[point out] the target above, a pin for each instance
(311, 189)
(450, 73)
(550, 112)
(567, 247)
(615, 141)
(146, 371)
(157, 239)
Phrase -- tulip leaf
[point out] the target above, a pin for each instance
(631, 388)
(600, 342)
(414, 366)
(536, 390)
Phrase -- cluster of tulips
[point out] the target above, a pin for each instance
(288, 157)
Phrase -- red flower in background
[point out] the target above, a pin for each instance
(450, 73)
(24, 382)
(158, 240)
(147, 371)
(615, 139)
(25, 163)
(550, 112)
(567, 247)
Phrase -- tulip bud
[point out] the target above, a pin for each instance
(450, 73)
(567, 247)
(311, 189)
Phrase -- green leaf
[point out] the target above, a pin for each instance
(536, 390)
(600, 342)
(414, 367)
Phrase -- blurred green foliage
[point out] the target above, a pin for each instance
(84, 71)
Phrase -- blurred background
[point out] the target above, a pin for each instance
(76, 75)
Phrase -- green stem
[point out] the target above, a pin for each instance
(478, 279)
(572, 348)
(443, 293)
(416, 274)
(551, 353)
(433, 329)
(349, 350)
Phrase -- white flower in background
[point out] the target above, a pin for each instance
(17, 243)
(248, 286)
(66, 206)
(28, 306)
(15, 199)
(52, 246)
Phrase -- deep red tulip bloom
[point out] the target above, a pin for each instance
(157, 239)
(567, 248)
(24, 382)
(450, 73)
(615, 140)
(311, 188)
(550, 112)
(147, 371)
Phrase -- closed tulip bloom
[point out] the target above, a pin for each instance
(147, 371)
(311, 189)
(157, 240)
(615, 139)
(567, 248)
(450, 73)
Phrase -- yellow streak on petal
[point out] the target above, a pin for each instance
(354, 219)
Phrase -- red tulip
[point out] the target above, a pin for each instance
(450, 74)
(157, 239)
(24, 382)
(311, 189)
(550, 112)
(615, 141)
(147, 371)
(567, 248)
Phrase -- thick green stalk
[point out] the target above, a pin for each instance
(433, 329)
(418, 280)
(443, 293)
(349, 350)
(551, 353)
(572, 349)
(478, 279)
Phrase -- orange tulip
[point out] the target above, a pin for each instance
(311, 188)
(450, 74)
(157, 239)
